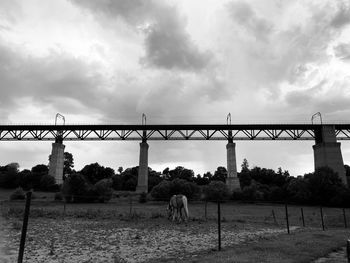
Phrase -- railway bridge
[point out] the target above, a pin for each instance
(326, 150)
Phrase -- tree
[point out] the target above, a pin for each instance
(181, 172)
(68, 163)
(104, 190)
(244, 176)
(120, 169)
(95, 172)
(9, 175)
(323, 185)
(48, 183)
(220, 174)
(37, 173)
(216, 191)
(245, 166)
(76, 188)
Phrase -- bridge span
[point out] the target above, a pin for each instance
(327, 150)
(171, 132)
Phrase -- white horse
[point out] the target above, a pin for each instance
(175, 206)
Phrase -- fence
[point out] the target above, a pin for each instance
(278, 215)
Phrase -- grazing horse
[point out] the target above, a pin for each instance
(176, 204)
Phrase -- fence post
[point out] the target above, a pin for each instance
(344, 215)
(348, 250)
(130, 204)
(219, 226)
(321, 210)
(274, 217)
(205, 209)
(287, 219)
(24, 227)
(302, 216)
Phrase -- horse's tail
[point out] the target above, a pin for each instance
(184, 200)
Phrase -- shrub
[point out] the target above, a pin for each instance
(18, 194)
(104, 190)
(166, 189)
(162, 190)
(76, 188)
(215, 191)
(58, 196)
(47, 183)
(143, 197)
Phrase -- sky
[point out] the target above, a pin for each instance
(178, 62)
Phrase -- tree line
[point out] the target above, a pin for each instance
(96, 182)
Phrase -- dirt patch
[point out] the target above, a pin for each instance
(81, 240)
(8, 246)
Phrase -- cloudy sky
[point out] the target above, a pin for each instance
(177, 61)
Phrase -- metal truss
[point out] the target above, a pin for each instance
(168, 132)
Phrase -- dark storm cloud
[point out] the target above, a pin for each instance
(342, 16)
(342, 51)
(167, 43)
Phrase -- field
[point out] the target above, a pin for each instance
(125, 230)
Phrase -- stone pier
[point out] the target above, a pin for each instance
(57, 161)
(232, 180)
(142, 180)
(327, 151)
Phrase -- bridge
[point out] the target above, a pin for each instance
(79, 132)
(326, 149)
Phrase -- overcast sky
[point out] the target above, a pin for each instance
(177, 61)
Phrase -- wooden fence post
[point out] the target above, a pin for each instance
(287, 218)
(321, 210)
(24, 227)
(219, 226)
(302, 216)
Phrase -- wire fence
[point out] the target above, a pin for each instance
(274, 215)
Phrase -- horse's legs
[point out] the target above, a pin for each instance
(180, 214)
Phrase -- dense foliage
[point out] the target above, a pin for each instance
(96, 183)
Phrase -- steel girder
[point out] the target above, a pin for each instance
(168, 132)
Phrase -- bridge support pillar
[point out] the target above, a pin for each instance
(142, 180)
(57, 162)
(327, 151)
(232, 180)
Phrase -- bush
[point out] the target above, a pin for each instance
(104, 190)
(76, 188)
(18, 194)
(162, 190)
(215, 191)
(143, 197)
(166, 189)
(58, 196)
(47, 183)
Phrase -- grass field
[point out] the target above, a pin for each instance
(125, 230)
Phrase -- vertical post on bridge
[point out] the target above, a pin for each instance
(56, 161)
(142, 179)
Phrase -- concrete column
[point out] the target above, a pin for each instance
(57, 162)
(327, 152)
(232, 180)
(142, 180)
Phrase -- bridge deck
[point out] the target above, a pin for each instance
(78, 132)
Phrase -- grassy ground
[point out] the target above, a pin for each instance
(301, 246)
